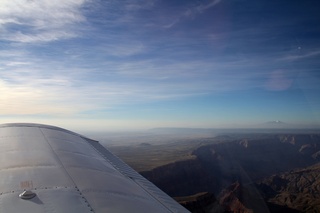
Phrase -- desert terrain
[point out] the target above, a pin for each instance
(239, 171)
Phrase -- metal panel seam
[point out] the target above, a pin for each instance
(39, 188)
(149, 193)
(65, 168)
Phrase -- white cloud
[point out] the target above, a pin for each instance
(16, 63)
(41, 37)
(293, 57)
(204, 7)
(190, 12)
(39, 21)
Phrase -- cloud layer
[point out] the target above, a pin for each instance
(86, 58)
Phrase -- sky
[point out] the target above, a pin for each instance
(140, 64)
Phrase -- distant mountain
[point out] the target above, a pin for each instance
(268, 127)
(276, 124)
(177, 130)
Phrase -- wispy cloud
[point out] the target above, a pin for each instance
(134, 5)
(39, 21)
(293, 57)
(57, 88)
(192, 11)
(137, 13)
(204, 7)
(41, 37)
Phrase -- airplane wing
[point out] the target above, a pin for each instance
(49, 169)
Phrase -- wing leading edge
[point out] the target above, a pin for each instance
(68, 172)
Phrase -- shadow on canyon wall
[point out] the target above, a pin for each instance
(234, 172)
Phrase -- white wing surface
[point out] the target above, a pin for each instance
(61, 171)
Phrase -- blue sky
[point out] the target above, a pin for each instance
(139, 64)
